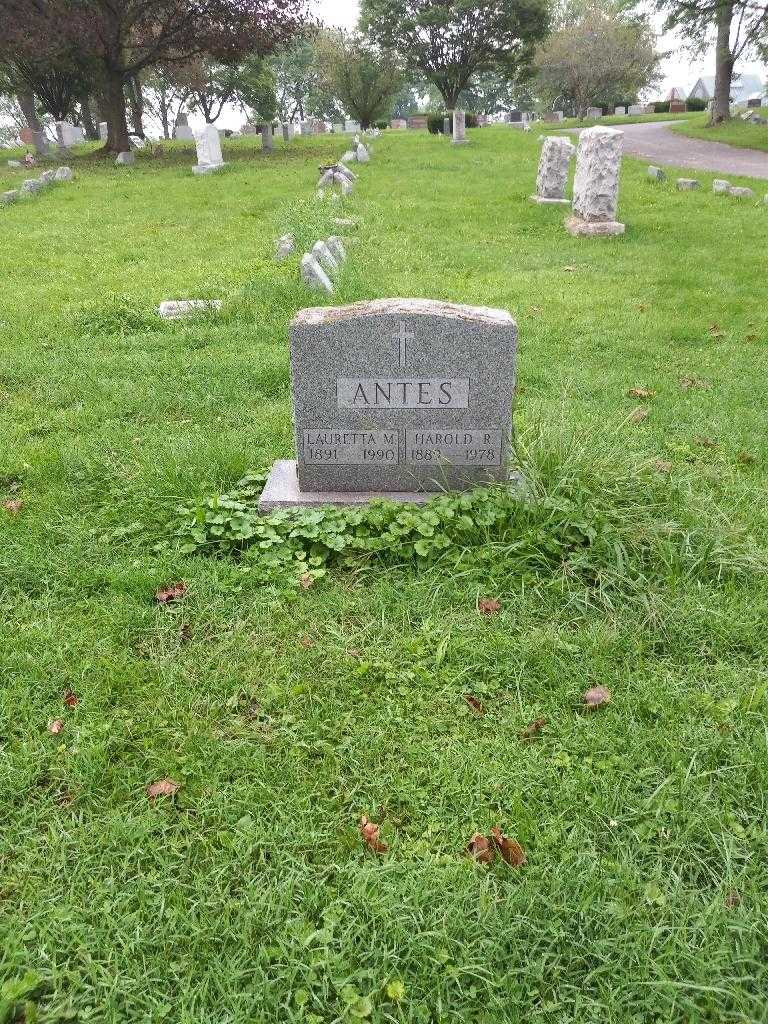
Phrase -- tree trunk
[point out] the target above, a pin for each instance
(114, 107)
(91, 132)
(721, 106)
(26, 100)
(136, 103)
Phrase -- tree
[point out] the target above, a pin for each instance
(604, 57)
(740, 28)
(361, 76)
(451, 42)
(125, 38)
(164, 97)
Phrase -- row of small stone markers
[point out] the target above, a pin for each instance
(33, 185)
(719, 185)
(595, 183)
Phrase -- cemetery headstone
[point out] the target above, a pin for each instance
(677, 106)
(313, 275)
(208, 145)
(741, 193)
(175, 309)
(288, 132)
(338, 128)
(687, 184)
(336, 246)
(720, 186)
(15, 165)
(103, 131)
(125, 159)
(446, 126)
(620, 110)
(656, 173)
(325, 257)
(64, 174)
(398, 123)
(515, 116)
(417, 123)
(267, 142)
(397, 398)
(181, 128)
(10, 196)
(362, 154)
(596, 183)
(459, 127)
(351, 126)
(594, 112)
(285, 246)
(552, 177)
(32, 185)
(305, 127)
(48, 177)
(635, 108)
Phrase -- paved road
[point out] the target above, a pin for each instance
(656, 142)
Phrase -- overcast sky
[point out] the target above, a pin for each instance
(679, 69)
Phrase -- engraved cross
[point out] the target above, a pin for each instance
(403, 336)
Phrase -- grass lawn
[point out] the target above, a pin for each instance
(588, 122)
(286, 713)
(734, 132)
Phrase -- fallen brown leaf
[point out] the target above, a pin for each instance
(569, 270)
(694, 382)
(480, 849)
(732, 899)
(474, 703)
(638, 415)
(750, 337)
(532, 730)
(354, 652)
(306, 581)
(306, 641)
(511, 851)
(704, 442)
(663, 466)
(13, 506)
(640, 393)
(55, 726)
(369, 832)
(172, 592)
(488, 606)
(596, 697)
(70, 698)
(716, 331)
(746, 458)
(163, 787)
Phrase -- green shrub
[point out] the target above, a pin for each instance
(661, 107)
(435, 122)
(695, 104)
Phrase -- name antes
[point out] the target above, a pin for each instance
(402, 393)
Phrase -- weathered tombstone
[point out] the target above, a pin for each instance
(397, 398)
(418, 122)
(313, 275)
(338, 128)
(288, 132)
(596, 183)
(362, 154)
(137, 142)
(687, 184)
(741, 193)
(325, 257)
(64, 174)
(208, 146)
(305, 127)
(10, 197)
(620, 110)
(720, 186)
(267, 142)
(594, 112)
(15, 165)
(32, 185)
(351, 126)
(677, 106)
(125, 159)
(175, 309)
(69, 134)
(446, 126)
(181, 128)
(459, 127)
(398, 123)
(552, 177)
(284, 247)
(636, 108)
(48, 177)
(103, 131)
(336, 246)
(656, 173)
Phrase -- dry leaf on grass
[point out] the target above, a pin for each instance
(511, 851)
(732, 899)
(13, 506)
(638, 415)
(171, 592)
(686, 383)
(163, 787)
(640, 393)
(750, 337)
(306, 581)
(704, 442)
(306, 641)
(369, 832)
(479, 849)
(596, 697)
(746, 458)
(716, 331)
(533, 730)
(70, 698)
(55, 726)
(488, 606)
(474, 703)
(663, 466)
(569, 270)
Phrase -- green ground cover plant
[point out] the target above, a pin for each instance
(436, 691)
